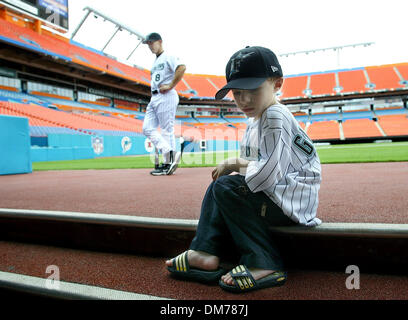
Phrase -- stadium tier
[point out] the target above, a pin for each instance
(70, 117)
(339, 82)
(61, 48)
(57, 111)
(56, 115)
(39, 116)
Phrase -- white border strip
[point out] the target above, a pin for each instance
(372, 230)
(98, 218)
(380, 230)
(66, 290)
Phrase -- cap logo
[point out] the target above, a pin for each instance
(274, 69)
(236, 62)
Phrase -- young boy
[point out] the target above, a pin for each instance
(277, 183)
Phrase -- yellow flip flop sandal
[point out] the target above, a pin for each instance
(182, 270)
(244, 281)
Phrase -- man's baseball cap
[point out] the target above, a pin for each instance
(248, 68)
(152, 37)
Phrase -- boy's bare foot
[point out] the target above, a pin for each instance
(200, 260)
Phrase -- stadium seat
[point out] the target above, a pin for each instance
(201, 85)
(294, 87)
(384, 78)
(324, 130)
(360, 128)
(352, 81)
(41, 116)
(323, 84)
(219, 82)
(394, 125)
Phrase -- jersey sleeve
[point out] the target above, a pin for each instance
(274, 154)
(173, 63)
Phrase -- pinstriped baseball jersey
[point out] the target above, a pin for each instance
(161, 110)
(163, 70)
(283, 163)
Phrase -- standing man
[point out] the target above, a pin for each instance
(167, 71)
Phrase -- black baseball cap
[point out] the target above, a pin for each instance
(152, 37)
(248, 68)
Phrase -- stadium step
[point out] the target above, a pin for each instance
(65, 273)
(341, 131)
(380, 128)
(373, 246)
(401, 78)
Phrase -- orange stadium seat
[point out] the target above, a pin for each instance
(201, 85)
(360, 128)
(384, 77)
(324, 130)
(352, 81)
(219, 82)
(32, 121)
(95, 60)
(78, 122)
(183, 89)
(323, 84)
(293, 87)
(29, 37)
(72, 51)
(394, 125)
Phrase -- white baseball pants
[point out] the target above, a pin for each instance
(161, 112)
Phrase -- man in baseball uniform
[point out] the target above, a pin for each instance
(167, 71)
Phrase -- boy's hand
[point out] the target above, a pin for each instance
(221, 170)
(229, 166)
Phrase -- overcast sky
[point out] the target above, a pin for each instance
(204, 34)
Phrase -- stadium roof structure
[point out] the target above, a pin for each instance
(118, 27)
(64, 59)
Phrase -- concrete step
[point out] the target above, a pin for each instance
(66, 273)
(375, 246)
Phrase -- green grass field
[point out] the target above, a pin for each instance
(350, 153)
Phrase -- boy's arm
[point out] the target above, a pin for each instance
(229, 166)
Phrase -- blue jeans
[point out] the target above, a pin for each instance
(234, 219)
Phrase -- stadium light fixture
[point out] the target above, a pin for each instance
(366, 44)
(335, 49)
(119, 27)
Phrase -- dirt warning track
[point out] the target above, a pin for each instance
(373, 192)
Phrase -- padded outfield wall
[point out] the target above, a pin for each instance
(15, 156)
(75, 147)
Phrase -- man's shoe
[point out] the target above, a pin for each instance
(174, 164)
(160, 170)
